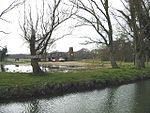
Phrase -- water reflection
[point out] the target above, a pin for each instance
(111, 100)
(132, 98)
(18, 68)
(46, 68)
(142, 97)
(33, 107)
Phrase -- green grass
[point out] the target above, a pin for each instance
(29, 80)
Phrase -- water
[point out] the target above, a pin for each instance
(132, 98)
(22, 68)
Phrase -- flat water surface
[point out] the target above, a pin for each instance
(22, 68)
(131, 98)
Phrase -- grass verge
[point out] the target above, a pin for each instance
(22, 85)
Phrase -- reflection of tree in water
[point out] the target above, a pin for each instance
(109, 106)
(34, 107)
(142, 97)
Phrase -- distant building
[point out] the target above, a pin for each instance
(58, 56)
(70, 54)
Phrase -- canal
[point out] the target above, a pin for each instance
(131, 98)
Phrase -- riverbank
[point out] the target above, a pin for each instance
(23, 85)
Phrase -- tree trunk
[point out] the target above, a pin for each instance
(112, 53)
(113, 60)
(35, 66)
(34, 60)
(139, 60)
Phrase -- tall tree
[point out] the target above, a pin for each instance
(138, 13)
(96, 13)
(145, 23)
(38, 29)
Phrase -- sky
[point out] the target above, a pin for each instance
(17, 45)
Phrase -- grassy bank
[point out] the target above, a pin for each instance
(18, 85)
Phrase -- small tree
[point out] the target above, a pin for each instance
(10, 7)
(99, 18)
(38, 30)
(3, 55)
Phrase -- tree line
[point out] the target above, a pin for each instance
(39, 28)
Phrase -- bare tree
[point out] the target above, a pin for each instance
(38, 29)
(138, 20)
(10, 7)
(100, 20)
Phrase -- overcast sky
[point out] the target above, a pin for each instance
(16, 44)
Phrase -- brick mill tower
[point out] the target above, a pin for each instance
(70, 54)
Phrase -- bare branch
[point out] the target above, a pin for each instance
(126, 19)
(91, 41)
(13, 5)
(4, 32)
(5, 20)
(39, 31)
(97, 24)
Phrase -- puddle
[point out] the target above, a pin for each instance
(22, 68)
